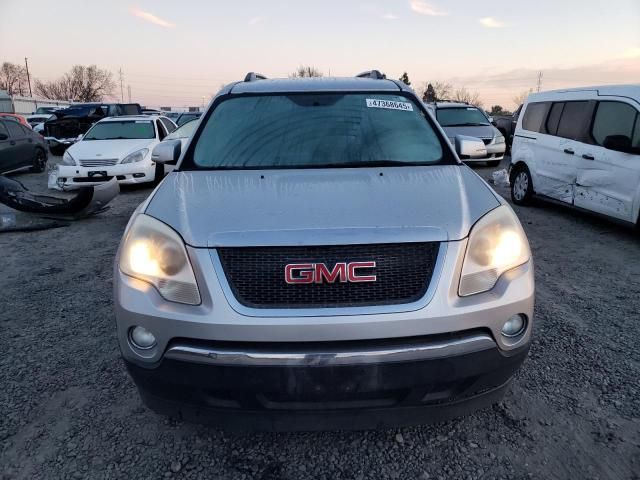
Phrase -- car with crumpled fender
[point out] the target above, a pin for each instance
(320, 258)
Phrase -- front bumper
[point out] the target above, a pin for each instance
(74, 176)
(362, 387)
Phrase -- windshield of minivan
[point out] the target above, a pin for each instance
(461, 117)
(317, 130)
(121, 130)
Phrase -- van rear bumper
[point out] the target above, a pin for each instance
(250, 395)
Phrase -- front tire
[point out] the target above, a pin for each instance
(521, 185)
(39, 162)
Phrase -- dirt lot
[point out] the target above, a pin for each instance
(69, 410)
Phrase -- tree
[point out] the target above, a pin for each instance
(13, 79)
(429, 95)
(81, 83)
(442, 90)
(465, 96)
(521, 97)
(497, 110)
(304, 71)
(405, 78)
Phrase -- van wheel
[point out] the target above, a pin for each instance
(521, 185)
(39, 162)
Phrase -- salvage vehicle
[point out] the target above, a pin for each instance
(71, 122)
(115, 147)
(506, 125)
(464, 119)
(580, 147)
(322, 259)
(15, 118)
(34, 120)
(20, 147)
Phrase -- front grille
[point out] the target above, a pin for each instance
(99, 162)
(256, 275)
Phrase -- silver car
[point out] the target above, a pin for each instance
(320, 258)
(467, 120)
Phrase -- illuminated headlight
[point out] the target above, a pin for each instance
(497, 244)
(498, 140)
(67, 159)
(136, 156)
(155, 253)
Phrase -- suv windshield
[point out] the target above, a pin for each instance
(461, 117)
(317, 130)
(121, 130)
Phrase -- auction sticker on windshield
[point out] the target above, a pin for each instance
(389, 104)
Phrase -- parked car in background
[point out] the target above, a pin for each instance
(173, 116)
(322, 259)
(581, 147)
(507, 125)
(39, 119)
(467, 120)
(187, 117)
(20, 147)
(183, 133)
(47, 110)
(115, 147)
(75, 120)
(151, 111)
(16, 118)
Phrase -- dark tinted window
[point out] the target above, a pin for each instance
(3, 129)
(613, 118)
(15, 131)
(316, 130)
(170, 127)
(573, 119)
(534, 116)
(554, 118)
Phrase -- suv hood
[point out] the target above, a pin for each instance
(104, 149)
(322, 206)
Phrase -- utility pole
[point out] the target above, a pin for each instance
(129, 90)
(121, 85)
(539, 80)
(26, 64)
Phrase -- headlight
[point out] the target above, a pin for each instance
(67, 159)
(155, 253)
(498, 140)
(136, 156)
(497, 243)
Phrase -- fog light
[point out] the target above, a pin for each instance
(142, 338)
(514, 326)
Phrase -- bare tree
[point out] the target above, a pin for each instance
(13, 79)
(521, 97)
(465, 96)
(405, 78)
(306, 71)
(441, 90)
(81, 83)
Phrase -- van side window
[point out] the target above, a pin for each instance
(554, 118)
(615, 118)
(534, 116)
(572, 120)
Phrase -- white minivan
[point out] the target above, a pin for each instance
(580, 147)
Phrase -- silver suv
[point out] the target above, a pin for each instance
(320, 258)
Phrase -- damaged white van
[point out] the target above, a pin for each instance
(581, 147)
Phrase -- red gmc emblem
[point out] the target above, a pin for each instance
(297, 273)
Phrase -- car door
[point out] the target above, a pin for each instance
(557, 166)
(608, 181)
(7, 149)
(22, 144)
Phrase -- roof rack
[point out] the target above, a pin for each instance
(253, 76)
(374, 74)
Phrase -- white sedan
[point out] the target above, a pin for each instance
(115, 147)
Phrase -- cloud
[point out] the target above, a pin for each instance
(491, 22)
(255, 20)
(151, 18)
(425, 8)
(633, 52)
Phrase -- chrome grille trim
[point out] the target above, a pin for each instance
(98, 162)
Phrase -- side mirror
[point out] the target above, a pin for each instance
(80, 137)
(619, 143)
(491, 120)
(167, 152)
(470, 147)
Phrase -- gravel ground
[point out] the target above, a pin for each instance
(69, 409)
